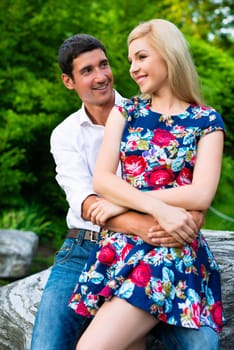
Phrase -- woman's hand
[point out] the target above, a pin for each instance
(102, 210)
(177, 222)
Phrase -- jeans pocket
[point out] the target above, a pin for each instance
(65, 251)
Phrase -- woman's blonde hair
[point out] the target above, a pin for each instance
(170, 43)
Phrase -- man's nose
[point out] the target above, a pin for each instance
(100, 74)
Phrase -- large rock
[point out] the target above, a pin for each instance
(222, 245)
(19, 300)
(16, 252)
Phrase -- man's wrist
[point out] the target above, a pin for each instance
(86, 204)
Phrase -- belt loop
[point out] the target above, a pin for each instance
(80, 237)
(93, 234)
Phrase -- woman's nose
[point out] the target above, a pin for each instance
(133, 67)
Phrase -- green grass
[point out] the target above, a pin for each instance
(216, 222)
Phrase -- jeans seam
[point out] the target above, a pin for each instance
(68, 253)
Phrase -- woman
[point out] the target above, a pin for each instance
(170, 147)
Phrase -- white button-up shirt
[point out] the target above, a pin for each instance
(75, 144)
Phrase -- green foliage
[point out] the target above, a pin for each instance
(217, 221)
(34, 218)
(223, 201)
(30, 218)
(208, 20)
(220, 216)
(216, 70)
(34, 101)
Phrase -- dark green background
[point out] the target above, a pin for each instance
(34, 101)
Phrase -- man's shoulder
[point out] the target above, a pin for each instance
(69, 122)
(118, 98)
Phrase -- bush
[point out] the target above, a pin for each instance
(36, 219)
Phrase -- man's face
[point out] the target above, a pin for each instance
(92, 78)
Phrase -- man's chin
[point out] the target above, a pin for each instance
(105, 95)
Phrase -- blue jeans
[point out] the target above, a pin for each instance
(178, 338)
(57, 326)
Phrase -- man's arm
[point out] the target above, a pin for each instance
(129, 223)
(72, 170)
(141, 225)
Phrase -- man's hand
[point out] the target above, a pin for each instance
(158, 237)
(141, 225)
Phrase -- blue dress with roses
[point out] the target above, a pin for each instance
(179, 286)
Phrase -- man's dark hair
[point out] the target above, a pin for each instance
(75, 46)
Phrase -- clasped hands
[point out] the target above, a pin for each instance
(176, 234)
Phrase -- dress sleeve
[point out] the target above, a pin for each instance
(122, 107)
(212, 122)
(133, 107)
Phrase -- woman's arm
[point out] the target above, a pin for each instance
(199, 195)
(135, 223)
(111, 187)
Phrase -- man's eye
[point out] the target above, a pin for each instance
(86, 71)
(105, 64)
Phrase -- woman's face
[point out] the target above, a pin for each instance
(148, 68)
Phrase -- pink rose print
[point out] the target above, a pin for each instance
(159, 177)
(163, 317)
(82, 309)
(204, 272)
(192, 160)
(152, 253)
(196, 314)
(216, 313)
(140, 276)
(194, 245)
(126, 250)
(162, 137)
(134, 165)
(185, 177)
(120, 108)
(158, 286)
(132, 145)
(107, 255)
(179, 129)
(106, 292)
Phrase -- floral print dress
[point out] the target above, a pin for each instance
(179, 286)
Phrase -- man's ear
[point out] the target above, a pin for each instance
(67, 81)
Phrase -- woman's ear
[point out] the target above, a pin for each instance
(67, 81)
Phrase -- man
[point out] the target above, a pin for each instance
(75, 144)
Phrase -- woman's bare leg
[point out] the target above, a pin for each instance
(117, 326)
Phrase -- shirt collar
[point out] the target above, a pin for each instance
(84, 118)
